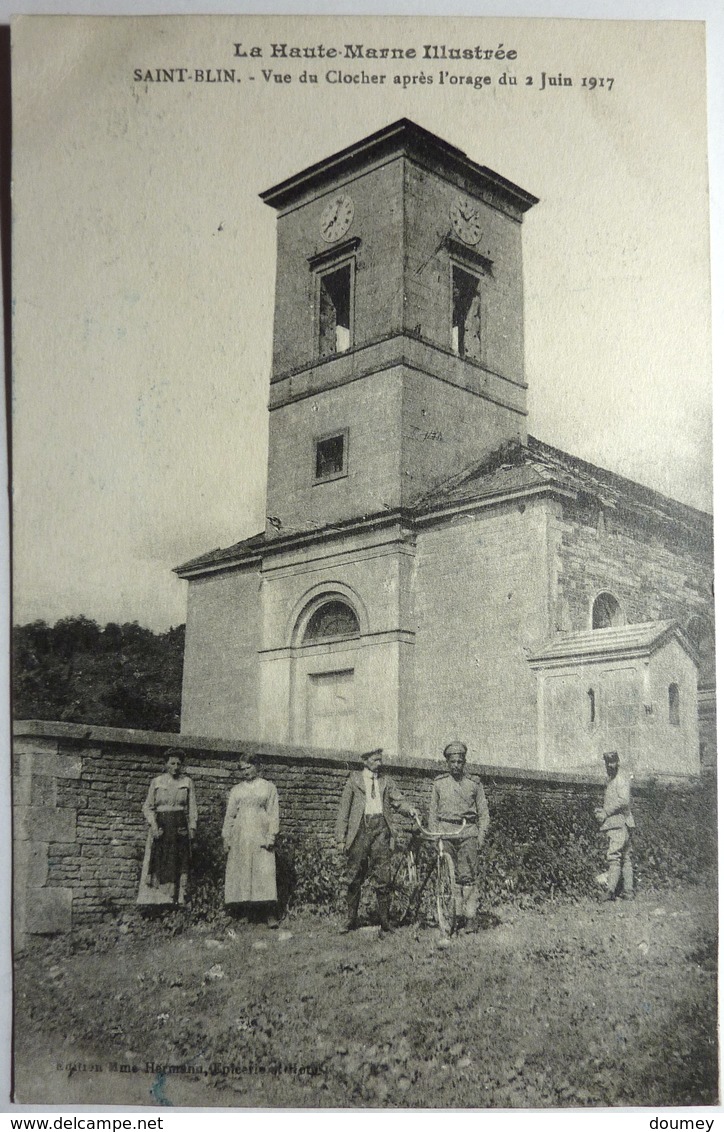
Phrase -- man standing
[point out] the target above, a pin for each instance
(458, 805)
(363, 832)
(617, 822)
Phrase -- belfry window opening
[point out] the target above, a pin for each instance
(335, 311)
(466, 314)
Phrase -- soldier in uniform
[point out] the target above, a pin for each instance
(616, 822)
(458, 805)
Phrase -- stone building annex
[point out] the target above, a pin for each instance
(428, 569)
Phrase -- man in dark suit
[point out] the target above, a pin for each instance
(364, 831)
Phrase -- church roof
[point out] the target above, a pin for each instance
(522, 467)
(626, 640)
(514, 469)
(244, 548)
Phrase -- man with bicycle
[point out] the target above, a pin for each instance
(363, 833)
(458, 806)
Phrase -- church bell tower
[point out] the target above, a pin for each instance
(398, 326)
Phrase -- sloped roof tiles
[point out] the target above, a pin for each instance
(512, 469)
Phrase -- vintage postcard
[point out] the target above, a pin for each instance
(364, 740)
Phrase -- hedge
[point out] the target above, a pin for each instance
(539, 847)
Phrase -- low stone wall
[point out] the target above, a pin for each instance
(78, 791)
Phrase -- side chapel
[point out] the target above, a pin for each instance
(428, 569)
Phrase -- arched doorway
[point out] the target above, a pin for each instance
(325, 660)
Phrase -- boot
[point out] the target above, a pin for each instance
(614, 878)
(458, 909)
(350, 922)
(470, 907)
(628, 879)
(383, 909)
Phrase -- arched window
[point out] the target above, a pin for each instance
(333, 621)
(606, 612)
(674, 705)
(700, 632)
(591, 705)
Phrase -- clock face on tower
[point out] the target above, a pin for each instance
(465, 219)
(336, 218)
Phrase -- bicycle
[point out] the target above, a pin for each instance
(411, 877)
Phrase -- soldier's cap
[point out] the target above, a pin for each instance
(611, 757)
(455, 748)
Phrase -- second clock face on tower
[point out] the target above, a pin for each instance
(465, 219)
(337, 217)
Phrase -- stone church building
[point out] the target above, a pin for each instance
(428, 569)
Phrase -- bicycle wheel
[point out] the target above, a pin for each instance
(403, 890)
(445, 893)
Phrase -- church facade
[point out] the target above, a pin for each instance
(428, 570)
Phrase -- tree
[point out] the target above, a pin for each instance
(118, 676)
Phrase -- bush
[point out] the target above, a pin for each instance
(309, 875)
(541, 845)
(206, 882)
(550, 845)
(675, 837)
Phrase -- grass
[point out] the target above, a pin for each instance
(568, 1005)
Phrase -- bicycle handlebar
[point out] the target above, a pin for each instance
(429, 835)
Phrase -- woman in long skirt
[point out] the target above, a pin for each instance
(250, 829)
(170, 810)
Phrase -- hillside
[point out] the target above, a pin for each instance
(115, 676)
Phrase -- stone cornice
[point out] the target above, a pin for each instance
(199, 748)
(402, 139)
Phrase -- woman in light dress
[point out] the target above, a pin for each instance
(170, 810)
(249, 834)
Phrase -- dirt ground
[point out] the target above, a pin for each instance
(570, 1005)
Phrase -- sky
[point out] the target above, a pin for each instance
(144, 269)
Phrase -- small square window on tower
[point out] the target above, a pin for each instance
(330, 457)
(466, 314)
(335, 311)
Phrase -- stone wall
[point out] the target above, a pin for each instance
(651, 567)
(481, 600)
(221, 654)
(79, 832)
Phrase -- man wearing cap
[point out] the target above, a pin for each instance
(616, 822)
(458, 805)
(364, 831)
